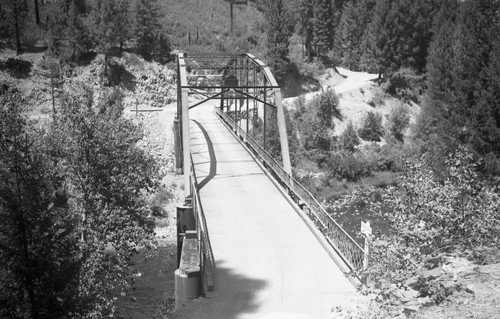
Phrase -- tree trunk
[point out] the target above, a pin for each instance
(16, 23)
(37, 12)
(22, 232)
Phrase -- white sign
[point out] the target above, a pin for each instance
(366, 228)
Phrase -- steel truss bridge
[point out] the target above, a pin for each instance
(246, 92)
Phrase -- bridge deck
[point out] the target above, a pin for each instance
(269, 264)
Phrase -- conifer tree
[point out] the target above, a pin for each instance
(323, 26)
(278, 33)
(306, 27)
(37, 243)
(147, 27)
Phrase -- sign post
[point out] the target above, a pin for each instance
(367, 231)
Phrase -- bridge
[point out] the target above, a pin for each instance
(253, 242)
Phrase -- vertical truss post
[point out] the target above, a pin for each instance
(285, 153)
(265, 113)
(185, 124)
(248, 91)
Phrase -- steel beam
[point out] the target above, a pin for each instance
(186, 145)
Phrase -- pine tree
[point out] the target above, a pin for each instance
(15, 14)
(278, 34)
(147, 27)
(351, 32)
(462, 102)
(306, 27)
(323, 27)
(349, 139)
(37, 243)
(111, 24)
(399, 34)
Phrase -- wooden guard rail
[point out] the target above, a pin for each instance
(350, 251)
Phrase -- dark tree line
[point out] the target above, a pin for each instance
(73, 28)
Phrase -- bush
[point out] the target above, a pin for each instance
(431, 215)
(398, 120)
(162, 50)
(349, 139)
(377, 99)
(406, 84)
(371, 127)
(161, 198)
(314, 120)
(347, 166)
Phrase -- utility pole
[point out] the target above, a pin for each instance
(231, 4)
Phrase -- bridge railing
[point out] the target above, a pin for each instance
(337, 237)
(207, 259)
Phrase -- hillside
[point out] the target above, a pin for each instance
(358, 94)
(205, 26)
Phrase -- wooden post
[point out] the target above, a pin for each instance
(231, 5)
(366, 230)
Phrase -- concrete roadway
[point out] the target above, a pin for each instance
(269, 264)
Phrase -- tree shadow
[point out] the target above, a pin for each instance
(86, 58)
(235, 294)
(17, 68)
(118, 75)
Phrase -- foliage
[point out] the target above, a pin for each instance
(147, 26)
(314, 121)
(349, 139)
(162, 51)
(12, 27)
(322, 26)
(37, 243)
(72, 206)
(398, 120)
(406, 85)
(69, 30)
(106, 174)
(399, 35)
(279, 29)
(326, 106)
(347, 166)
(431, 216)
(371, 127)
(350, 37)
(111, 24)
(463, 71)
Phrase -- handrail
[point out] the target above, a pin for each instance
(337, 237)
(206, 252)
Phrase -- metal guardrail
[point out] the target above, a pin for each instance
(207, 259)
(337, 237)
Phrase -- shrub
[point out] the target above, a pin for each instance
(406, 84)
(162, 50)
(349, 139)
(371, 127)
(161, 198)
(347, 166)
(398, 120)
(377, 99)
(326, 107)
(431, 215)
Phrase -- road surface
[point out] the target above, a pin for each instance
(269, 264)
